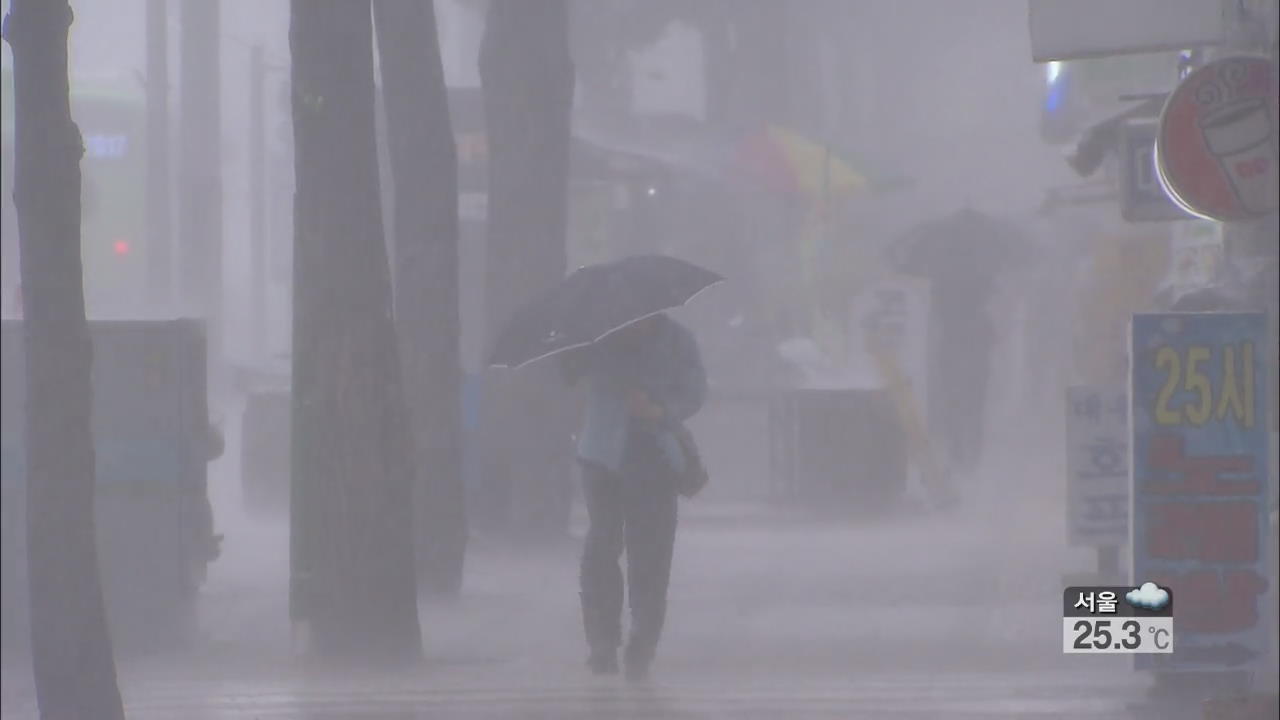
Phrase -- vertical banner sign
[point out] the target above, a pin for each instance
(894, 313)
(1196, 251)
(1097, 466)
(1200, 489)
(888, 324)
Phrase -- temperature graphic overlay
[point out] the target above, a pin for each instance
(1117, 619)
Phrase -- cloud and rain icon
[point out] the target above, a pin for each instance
(1148, 596)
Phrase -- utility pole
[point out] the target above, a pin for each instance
(1250, 252)
(159, 217)
(257, 198)
(1252, 29)
(200, 183)
(1250, 248)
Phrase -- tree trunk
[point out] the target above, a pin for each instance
(75, 673)
(200, 199)
(424, 168)
(527, 78)
(352, 561)
(159, 218)
(257, 186)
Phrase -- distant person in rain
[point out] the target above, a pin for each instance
(208, 544)
(962, 371)
(645, 381)
(962, 256)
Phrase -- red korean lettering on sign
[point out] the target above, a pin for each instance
(1200, 522)
(1203, 475)
(1211, 532)
(1215, 601)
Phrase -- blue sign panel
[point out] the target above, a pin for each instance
(1200, 483)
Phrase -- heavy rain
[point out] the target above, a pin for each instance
(689, 359)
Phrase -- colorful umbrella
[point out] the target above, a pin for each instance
(786, 161)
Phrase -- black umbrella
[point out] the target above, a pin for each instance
(967, 241)
(594, 301)
(1206, 298)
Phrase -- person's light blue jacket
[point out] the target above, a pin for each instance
(668, 367)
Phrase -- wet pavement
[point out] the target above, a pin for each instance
(965, 696)
(773, 615)
(769, 618)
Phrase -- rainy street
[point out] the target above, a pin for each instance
(639, 359)
(916, 616)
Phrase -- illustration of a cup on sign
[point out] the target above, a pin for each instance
(1240, 134)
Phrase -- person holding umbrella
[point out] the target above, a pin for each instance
(645, 379)
(962, 255)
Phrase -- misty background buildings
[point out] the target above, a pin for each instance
(898, 83)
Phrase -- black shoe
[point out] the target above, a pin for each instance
(603, 662)
(637, 660)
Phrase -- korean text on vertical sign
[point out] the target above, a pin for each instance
(1097, 466)
(1200, 490)
(895, 312)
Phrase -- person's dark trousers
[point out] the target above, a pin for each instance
(969, 410)
(634, 510)
(957, 403)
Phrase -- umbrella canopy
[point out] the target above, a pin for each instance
(1206, 298)
(786, 161)
(593, 302)
(967, 241)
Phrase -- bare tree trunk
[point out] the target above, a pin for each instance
(74, 669)
(200, 201)
(527, 77)
(352, 560)
(159, 218)
(424, 168)
(258, 199)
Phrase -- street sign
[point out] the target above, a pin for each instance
(1200, 483)
(1074, 29)
(1216, 148)
(1097, 466)
(1142, 198)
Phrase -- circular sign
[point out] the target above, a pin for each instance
(1216, 148)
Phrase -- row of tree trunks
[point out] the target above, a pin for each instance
(71, 649)
(352, 557)
(527, 81)
(424, 168)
